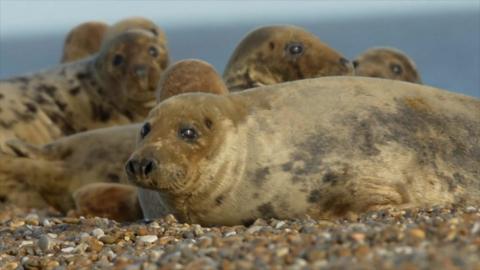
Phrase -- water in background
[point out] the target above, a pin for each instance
(445, 46)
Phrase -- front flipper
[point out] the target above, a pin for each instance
(23, 149)
(110, 200)
(357, 196)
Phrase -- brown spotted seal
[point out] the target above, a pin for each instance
(388, 63)
(322, 147)
(275, 54)
(83, 40)
(114, 87)
(58, 169)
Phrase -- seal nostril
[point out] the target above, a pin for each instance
(130, 167)
(141, 71)
(148, 167)
(344, 61)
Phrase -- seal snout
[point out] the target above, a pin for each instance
(140, 168)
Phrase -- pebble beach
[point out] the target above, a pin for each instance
(435, 238)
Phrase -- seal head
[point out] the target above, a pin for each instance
(83, 40)
(174, 142)
(190, 75)
(275, 54)
(387, 63)
(137, 23)
(129, 68)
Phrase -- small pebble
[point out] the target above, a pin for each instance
(147, 238)
(98, 233)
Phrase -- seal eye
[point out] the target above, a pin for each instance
(294, 49)
(145, 130)
(117, 60)
(154, 31)
(188, 133)
(153, 51)
(397, 69)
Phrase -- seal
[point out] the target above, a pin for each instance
(137, 23)
(388, 63)
(58, 169)
(325, 147)
(83, 40)
(114, 87)
(276, 54)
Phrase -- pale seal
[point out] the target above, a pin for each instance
(387, 63)
(83, 40)
(321, 147)
(114, 87)
(58, 169)
(275, 54)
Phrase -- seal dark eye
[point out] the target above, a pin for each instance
(397, 69)
(117, 60)
(153, 51)
(188, 133)
(294, 48)
(154, 31)
(145, 130)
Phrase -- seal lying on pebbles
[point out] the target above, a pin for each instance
(322, 147)
(388, 63)
(115, 87)
(275, 54)
(83, 40)
(59, 168)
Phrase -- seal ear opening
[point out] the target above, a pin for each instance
(208, 123)
(24, 149)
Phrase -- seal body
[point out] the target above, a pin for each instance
(281, 53)
(387, 63)
(322, 147)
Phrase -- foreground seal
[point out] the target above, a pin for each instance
(114, 87)
(275, 54)
(322, 147)
(58, 169)
(83, 40)
(388, 63)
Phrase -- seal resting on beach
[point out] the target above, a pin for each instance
(323, 147)
(387, 63)
(114, 87)
(281, 53)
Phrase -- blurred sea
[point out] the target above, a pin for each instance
(445, 46)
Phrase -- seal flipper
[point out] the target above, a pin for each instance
(19, 176)
(110, 200)
(24, 149)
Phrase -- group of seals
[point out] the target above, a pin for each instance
(224, 160)
(311, 147)
(96, 156)
(387, 63)
(87, 38)
(57, 169)
(114, 86)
